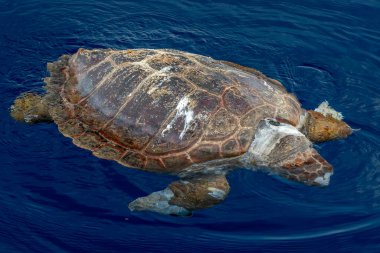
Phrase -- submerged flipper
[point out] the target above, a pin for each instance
(184, 196)
(30, 108)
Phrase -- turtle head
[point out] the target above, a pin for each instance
(282, 149)
(324, 124)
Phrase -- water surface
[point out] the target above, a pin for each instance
(56, 197)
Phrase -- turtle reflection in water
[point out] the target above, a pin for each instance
(185, 114)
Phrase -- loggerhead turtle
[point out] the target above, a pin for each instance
(184, 114)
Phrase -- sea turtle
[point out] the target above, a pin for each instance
(184, 114)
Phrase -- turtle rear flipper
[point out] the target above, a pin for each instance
(182, 197)
(30, 108)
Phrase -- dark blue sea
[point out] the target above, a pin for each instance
(55, 197)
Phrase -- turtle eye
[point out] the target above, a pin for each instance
(274, 123)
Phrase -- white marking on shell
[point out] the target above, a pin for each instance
(326, 110)
(323, 180)
(183, 110)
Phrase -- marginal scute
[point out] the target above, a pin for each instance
(154, 164)
(89, 140)
(124, 137)
(58, 112)
(274, 83)
(261, 87)
(246, 69)
(133, 159)
(170, 62)
(89, 116)
(209, 62)
(109, 152)
(205, 152)
(131, 55)
(176, 162)
(231, 148)
(72, 128)
(70, 91)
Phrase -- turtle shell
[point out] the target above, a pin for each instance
(162, 110)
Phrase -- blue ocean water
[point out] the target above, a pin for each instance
(56, 197)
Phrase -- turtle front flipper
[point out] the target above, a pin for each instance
(282, 149)
(182, 197)
(30, 108)
(307, 167)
